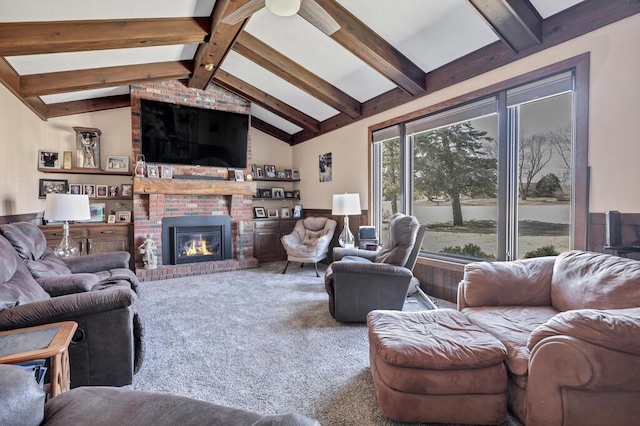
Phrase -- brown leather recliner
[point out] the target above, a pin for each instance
(72, 275)
(359, 281)
(571, 326)
(107, 347)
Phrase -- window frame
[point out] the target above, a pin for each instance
(579, 66)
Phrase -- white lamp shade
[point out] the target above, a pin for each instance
(345, 204)
(66, 207)
(283, 7)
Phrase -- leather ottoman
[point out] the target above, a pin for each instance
(436, 367)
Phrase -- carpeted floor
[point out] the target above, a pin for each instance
(261, 341)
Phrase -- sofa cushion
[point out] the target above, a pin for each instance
(588, 280)
(402, 234)
(512, 325)
(17, 286)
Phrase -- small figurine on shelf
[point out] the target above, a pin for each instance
(148, 252)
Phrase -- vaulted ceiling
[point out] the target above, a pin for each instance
(305, 74)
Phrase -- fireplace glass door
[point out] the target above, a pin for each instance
(191, 244)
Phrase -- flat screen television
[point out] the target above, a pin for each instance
(177, 134)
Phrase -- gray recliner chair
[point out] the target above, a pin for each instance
(107, 346)
(23, 404)
(309, 241)
(72, 275)
(359, 281)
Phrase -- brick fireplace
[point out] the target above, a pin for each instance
(150, 207)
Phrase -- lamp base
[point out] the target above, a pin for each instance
(67, 247)
(346, 238)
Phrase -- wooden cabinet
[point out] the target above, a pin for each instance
(266, 238)
(93, 238)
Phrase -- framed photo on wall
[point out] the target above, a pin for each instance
(89, 190)
(75, 188)
(117, 163)
(152, 172)
(101, 190)
(285, 212)
(48, 159)
(126, 190)
(273, 213)
(167, 172)
(259, 212)
(297, 210)
(53, 186)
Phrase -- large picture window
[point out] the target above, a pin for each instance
(493, 178)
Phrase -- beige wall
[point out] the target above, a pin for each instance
(614, 145)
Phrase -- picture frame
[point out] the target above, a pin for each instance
(296, 193)
(272, 213)
(259, 173)
(118, 163)
(239, 175)
(89, 189)
(75, 188)
(101, 191)
(48, 159)
(259, 213)
(152, 172)
(53, 186)
(126, 190)
(269, 170)
(288, 174)
(67, 160)
(113, 191)
(297, 210)
(285, 212)
(166, 172)
(282, 174)
(288, 194)
(123, 216)
(87, 147)
(295, 174)
(265, 193)
(277, 192)
(111, 218)
(97, 212)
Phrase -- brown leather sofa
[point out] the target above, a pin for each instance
(571, 327)
(23, 404)
(107, 347)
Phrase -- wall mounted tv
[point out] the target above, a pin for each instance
(177, 134)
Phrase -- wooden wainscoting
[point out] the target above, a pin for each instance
(439, 278)
(630, 231)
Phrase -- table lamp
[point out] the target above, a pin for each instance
(66, 207)
(344, 205)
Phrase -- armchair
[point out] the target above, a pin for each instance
(309, 241)
(107, 347)
(359, 281)
(71, 275)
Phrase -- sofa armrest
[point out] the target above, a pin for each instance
(524, 282)
(563, 369)
(58, 285)
(340, 252)
(65, 308)
(21, 398)
(92, 263)
(365, 268)
(616, 329)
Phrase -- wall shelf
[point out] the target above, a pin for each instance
(84, 172)
(192, 186)
(275, 180)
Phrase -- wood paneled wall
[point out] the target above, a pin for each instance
(630, 232)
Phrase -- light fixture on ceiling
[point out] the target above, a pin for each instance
(283, 7)
(209, 67)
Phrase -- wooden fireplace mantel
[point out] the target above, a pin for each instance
(192, 186)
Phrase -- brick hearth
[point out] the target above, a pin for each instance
(149, 209)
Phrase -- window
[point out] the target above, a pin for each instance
(493, 178)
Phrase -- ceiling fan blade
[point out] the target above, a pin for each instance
(318, 17)
(243, 12)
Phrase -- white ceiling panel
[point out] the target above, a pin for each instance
(252, 73)
(85, 94)
(430, 33)
(71, 10)
(295, 38)
(547, 8)
(273, 119)
(53, 62)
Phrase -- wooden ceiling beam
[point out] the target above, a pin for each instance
(267, 101)
(210, 54)
(516, 22)
(87, 105)
(11, 80)
(270, 130)
(274, 61)
(71, 81)
(375, 51)
(31, 38)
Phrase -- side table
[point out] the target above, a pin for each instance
(43, 341)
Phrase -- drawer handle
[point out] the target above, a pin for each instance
(108, 232)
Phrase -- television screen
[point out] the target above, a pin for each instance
(178, 134)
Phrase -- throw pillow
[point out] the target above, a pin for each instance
(311, 237)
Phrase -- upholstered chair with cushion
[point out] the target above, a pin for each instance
(359, 281)
(107, 346)
(309, 241)
(72, 275)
